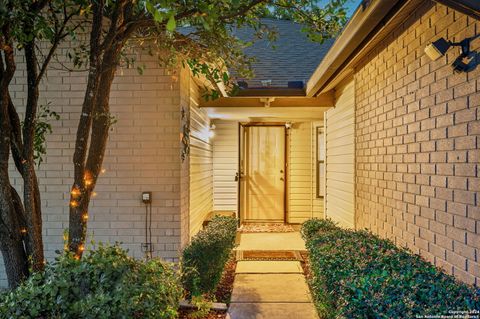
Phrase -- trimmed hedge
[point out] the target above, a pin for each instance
(105, 283)
(359, 275)
(205, 257)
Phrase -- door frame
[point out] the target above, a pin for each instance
(241, 126)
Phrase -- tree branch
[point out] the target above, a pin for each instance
(242, 10)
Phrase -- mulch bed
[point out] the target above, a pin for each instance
(306, 266)
(224, 289)
(222, 294)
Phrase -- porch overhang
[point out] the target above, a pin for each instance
(273, 101)
(269, 107)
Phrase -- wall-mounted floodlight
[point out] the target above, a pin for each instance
(438, 48)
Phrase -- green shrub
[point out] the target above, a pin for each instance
(105, 283)
(312, 226)
(358, 275)
(205, 257)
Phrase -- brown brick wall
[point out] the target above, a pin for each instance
(417, 151)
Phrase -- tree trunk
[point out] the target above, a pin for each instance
(80, 194)
(95, 121)
(11, 243)
(92, 165)
(15, 260)
(31, 194)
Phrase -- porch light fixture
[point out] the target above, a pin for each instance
(211, 131)
(266, 101)
(439, 48)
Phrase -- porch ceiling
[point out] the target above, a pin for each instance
(266, 113)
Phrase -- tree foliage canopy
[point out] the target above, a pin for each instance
(201, 34)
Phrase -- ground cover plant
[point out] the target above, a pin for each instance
(359, 275)
(105, 283)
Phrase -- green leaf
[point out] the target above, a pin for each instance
(171, 24)
(225, 77)
(157, 16)
(149, 6)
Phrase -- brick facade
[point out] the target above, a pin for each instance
(142, 154)
(417, 143)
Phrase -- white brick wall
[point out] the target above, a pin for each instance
(143, 154)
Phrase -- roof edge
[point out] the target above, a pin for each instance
(364, 23)
(468, 7)
(365, 19)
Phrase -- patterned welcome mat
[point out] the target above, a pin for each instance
(266, 228)
(268, 255)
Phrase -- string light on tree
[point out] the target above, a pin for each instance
(87, 179)
(75, 192)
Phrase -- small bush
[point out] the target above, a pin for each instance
(312, 226)
(359, 275)
(105, 283)
(205, 257)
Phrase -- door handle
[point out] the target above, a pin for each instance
(282, 179)
(237, 177)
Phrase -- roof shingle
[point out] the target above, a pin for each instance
(291, 57)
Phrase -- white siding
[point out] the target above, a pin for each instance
(225, 166)
(302, 201)
(340, 162)
(201, 164)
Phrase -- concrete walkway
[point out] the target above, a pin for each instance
(271, 241)
(271, 289)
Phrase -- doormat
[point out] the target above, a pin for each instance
(266, 228)
(268, 255)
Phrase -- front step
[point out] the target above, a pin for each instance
(268, 267)
(272, 311)
(269, 255)
(259, 288)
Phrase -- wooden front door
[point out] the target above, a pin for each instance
(263, 174)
